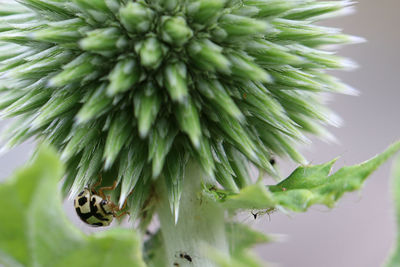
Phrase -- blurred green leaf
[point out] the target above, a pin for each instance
(154, 252)
(241, 238)
(34, 230)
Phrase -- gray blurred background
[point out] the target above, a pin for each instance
(360, 231)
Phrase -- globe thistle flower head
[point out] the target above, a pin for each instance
(134, 89)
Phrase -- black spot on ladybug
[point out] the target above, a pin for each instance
(82, 201)
(94, 210)
(272, 161)
(97, 224)
(84, 216)
(81, 193)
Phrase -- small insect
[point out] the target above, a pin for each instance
(94, 208)
(272, 161)
(185, 256)
(148, 233)
(268, 211)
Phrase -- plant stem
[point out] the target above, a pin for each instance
(200, 223)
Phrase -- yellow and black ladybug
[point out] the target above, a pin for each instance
(95, 209)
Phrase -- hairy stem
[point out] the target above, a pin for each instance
(200, 223)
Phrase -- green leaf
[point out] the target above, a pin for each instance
(154, 252)
(37, 232)
(308, 185)
(240, 238)
(394, 260)
(244, 259)
(255, 196)
(311, 185)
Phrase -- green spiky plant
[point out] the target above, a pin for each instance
(177, 100)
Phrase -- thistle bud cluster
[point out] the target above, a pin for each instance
(135, 89)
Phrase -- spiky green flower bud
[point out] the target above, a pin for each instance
(136, 17)
(175, 31)
(133, 89)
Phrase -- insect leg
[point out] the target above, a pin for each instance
(101, 193)
(122, 214)
(93, 187)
